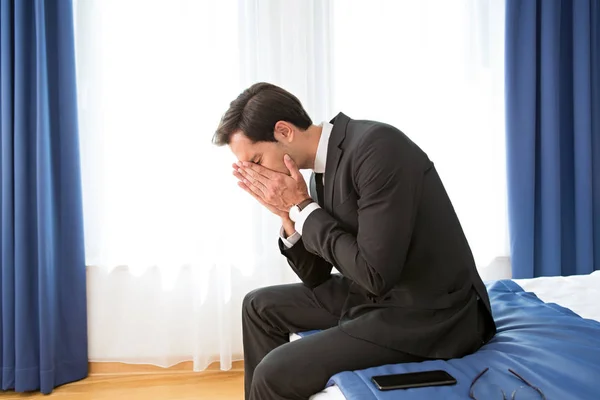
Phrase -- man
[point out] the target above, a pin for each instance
(408, 289)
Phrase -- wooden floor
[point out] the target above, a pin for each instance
(209, 385)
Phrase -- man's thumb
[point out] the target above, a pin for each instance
(291, 166)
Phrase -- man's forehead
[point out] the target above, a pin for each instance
(242, 147)
(244, 156)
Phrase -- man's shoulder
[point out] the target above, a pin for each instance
(363, 134)
(366, 126)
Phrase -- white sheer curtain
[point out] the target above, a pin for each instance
(172, 244)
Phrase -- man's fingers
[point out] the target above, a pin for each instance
(292, 167)
(242, 178)
(254, 178)
(260, 170)
(247, 189)
(238, 175)
(254, 188)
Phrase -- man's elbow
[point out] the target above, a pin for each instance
(380, 291)
(315, 280)
(378, 286)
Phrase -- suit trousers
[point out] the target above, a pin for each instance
(276, 369)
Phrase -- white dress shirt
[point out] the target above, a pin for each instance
(319, 168)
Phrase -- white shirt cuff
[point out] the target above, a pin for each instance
(303, 215)
(289, 242)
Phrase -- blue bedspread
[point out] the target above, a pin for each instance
(549, 345)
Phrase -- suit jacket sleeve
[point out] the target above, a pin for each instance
(310, 268)
(387, 170)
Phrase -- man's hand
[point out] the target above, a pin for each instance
(274, 190)
(283, 214)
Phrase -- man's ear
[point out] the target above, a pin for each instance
(284, 131)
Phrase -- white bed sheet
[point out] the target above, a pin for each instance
(579, 293)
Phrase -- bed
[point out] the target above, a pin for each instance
(548, 331)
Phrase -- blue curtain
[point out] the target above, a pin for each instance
(43, 332)
(553, 135)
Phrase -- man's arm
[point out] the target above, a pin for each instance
(388, 176)
(310, 268)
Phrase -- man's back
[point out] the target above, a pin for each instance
(389, 226)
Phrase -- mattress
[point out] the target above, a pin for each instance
(580, 294)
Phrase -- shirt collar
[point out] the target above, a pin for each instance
(321, 158)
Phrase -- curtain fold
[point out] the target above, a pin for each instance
(553, 136)
(43, 324)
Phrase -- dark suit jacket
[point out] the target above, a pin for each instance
(389, 226)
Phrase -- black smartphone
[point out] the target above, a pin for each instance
(413, 380)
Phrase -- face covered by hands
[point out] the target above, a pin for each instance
(276, 191)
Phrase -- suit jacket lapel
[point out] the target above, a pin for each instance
(334, 153)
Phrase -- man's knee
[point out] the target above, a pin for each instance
(253, 300)
(276, 374)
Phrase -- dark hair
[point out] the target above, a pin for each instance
(256, 111)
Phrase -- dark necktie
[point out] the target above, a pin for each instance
(319, 188)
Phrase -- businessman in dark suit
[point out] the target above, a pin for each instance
(407, 288)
